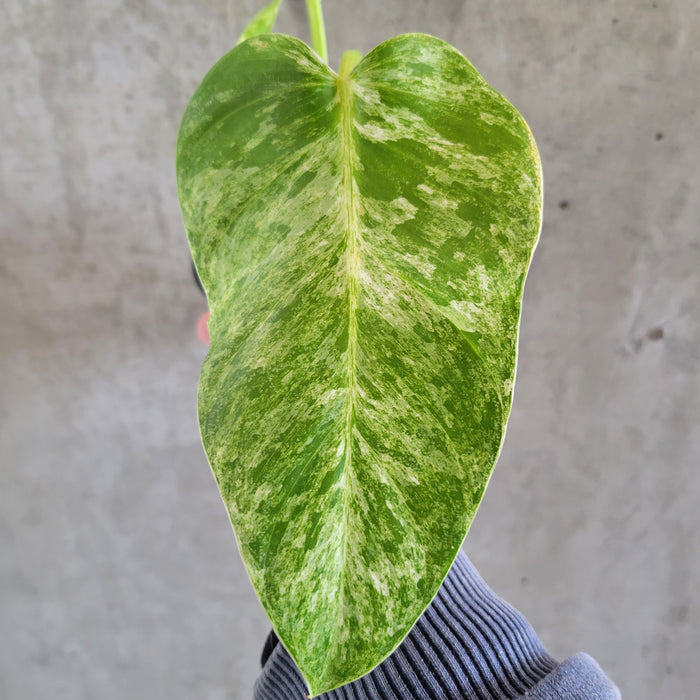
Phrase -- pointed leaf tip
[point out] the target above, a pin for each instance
(263, 22)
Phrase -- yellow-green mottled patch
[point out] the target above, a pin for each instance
(363, 240)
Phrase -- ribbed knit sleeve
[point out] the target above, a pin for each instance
(469, 644)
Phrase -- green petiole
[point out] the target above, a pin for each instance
(318, 29)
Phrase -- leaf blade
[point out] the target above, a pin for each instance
(263, 21)
(365, 296)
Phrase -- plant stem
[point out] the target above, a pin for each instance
(318, 29)
(349, 60)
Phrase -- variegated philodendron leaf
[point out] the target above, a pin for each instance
(363, 239)
(263, 22)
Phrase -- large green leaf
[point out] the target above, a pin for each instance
(363, 240)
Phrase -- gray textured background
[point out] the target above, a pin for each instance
(119, 577)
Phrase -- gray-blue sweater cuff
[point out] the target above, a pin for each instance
(578, 678)
(468, 644)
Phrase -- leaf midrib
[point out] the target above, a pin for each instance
(351, 227)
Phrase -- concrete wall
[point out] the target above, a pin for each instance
(119, 576)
